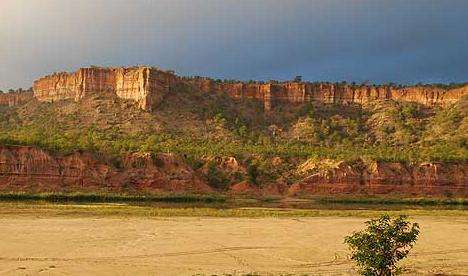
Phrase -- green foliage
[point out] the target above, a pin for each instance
(387, 201)
(216, 178)
(215, 126)
(252, 173)
(396, 123)
(384, 242)
(447, 86)
(110, 197)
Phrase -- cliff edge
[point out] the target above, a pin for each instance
(147, 86)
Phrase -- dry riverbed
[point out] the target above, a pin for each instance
(51, 241)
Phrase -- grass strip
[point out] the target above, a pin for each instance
(393, 201)
(110, 198)
(18, 209)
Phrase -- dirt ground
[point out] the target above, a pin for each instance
(207, 246)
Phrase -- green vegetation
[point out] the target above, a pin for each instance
(123, 210)
(394, 201)
(389, 131)
(110, 198)
(384, 242)
(216, 178)
(229, 202)
(199, 126)
(453, 85)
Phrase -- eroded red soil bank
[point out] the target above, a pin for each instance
(32, 169)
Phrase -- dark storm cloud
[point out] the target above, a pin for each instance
(353, 40)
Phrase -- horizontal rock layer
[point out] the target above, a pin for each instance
(388, 177)
(31, 169)
(147, 87)
(302, 92)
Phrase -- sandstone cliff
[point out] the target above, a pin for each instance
(302, 92)
(386, 178)
(32, 169)
(15, 98)
(144, 85)
(147, 87)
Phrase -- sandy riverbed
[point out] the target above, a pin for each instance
(189, 246)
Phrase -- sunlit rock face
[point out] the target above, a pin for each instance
(144, 85)
(379, 177)
(147, 87)
(15, 98)
(303, 92)
(32, 169)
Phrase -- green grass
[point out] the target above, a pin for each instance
(110, 198)
(394, 201)
(194, 205)
(9, 209)
(216, 199)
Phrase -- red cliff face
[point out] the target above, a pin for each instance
(144, 85)
(147, 87)
(32, 169)
(15, 98)
(386, 177)
(299, 92)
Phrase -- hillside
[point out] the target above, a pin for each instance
(201, 141)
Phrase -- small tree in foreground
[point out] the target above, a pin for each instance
(384, 242)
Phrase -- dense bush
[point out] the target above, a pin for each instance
(384, 242)
(384, 131)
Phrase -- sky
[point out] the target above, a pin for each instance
(322, 40)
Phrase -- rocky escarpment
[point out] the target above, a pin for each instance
(144, 85)
(147, 86)
(379, 177)
(301, 92)
(15, 98)
(32, 169)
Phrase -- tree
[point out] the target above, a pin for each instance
(384, 242)
(252, 173)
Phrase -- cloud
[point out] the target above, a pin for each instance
(353, 40)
